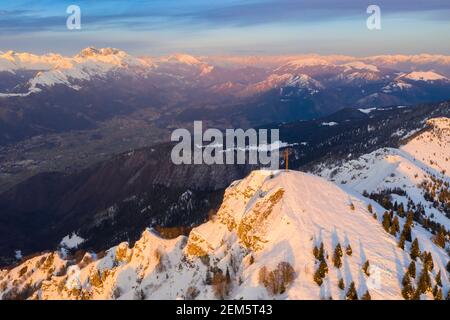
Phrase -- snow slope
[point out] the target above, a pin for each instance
(12, 61)
(424, 158)
(432, 147)
(299, 81)
(70, 71)
(267, 220)
(424, 76)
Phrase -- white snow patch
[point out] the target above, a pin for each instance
(329, 124)
(368, 110)
(71, 241)
(424, 76)
(18, 254)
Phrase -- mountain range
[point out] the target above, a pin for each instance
(38, 93)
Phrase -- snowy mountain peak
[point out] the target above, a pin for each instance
(184, 59)
(12, 61)
(108, 56)
(361, 66)
(92, 51)
(89, 63)
(423, 76)
(308, 62)
(305, 81)
(275, 81)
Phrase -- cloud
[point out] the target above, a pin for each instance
(157, 14)
(276, 11)
(333, 26)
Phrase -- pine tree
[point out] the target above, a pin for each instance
(410, 218)
(395, 227)
(438, 279)
(337, 256)
(415, 250)
(319, 252)
(428, 261)
(401, 210)
(412, 269)
(227, 277)
(316, 252)
(369, 208)
(431, 262)
(401, 242)
(321, 256)
(424, 284)
(437, 293)
(386, 221)
(440, 238)
(321, 272)
(407, 289)
(416, 295)
(351, 293)
(349, 250)
(366, 296)
(317, 278)
(407, 232)
(323, 267)
(366, 268)
(341, 284)
(208, 279)
(448, 267)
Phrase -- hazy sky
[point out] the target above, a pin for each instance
(245, 27)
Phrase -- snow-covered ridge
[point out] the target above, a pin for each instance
(308, 62)
(424, 158)
(182, 58)
(56, 69)
(92, 63)
(88, 64)
(378, 61)
(397, 85)
(260, 245)
(275, 81)
(423, 76)
(11, 61)
(419, 59)
(361, 66)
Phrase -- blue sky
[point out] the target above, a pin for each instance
(244, 27)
